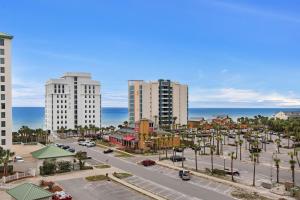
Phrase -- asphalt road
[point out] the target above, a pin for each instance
(185, 188)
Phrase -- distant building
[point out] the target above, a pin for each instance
(195, 123)
(287, 115)
(5, 91)
(72, 101)
(161, 101)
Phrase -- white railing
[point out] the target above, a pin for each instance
(17, 176)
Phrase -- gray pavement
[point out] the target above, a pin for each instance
(104, 190)
(190, 189)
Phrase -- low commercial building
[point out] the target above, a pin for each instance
(29, 191)
(51, 152)
(195, 123)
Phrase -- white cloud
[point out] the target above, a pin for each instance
(232, 97)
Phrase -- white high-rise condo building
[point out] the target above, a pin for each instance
(72, 101)
(162, 101)
(5, 91)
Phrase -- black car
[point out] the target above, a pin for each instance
(71, 150)
(65, 147)
(234, 172)
(254, 150)
(178, 149)
(177, 158)
(108, 151)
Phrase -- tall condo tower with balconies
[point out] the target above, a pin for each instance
(162, 101)
(72, 101)
(5, 91)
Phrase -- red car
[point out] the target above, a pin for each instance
(61, 196)
(147, 163)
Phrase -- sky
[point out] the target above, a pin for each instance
(230, 53)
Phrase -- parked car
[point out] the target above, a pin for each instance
(184, 175)
(178, 149)
(58, 145)
(61, 196)
(82, 143)
(18, 159)
(235, 172)
(108, 151)
(90, 144)
(65, 147)
(147, 163)
(255, 150)
(81, 140)
(177, 158)
(71, 150)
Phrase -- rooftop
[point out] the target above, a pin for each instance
(5, 36)
(28, 191)
(80, 74)
(51, 151)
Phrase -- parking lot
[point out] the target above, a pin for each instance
(171, 194)
(104, 190)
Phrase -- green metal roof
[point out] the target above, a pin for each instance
(5, 35)
(28, 191)
(51, 151)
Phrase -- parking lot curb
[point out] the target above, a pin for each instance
(235, 185)
(133, 187)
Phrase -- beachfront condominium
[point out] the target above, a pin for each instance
(72, 101)
(162, 101)
(5, 85)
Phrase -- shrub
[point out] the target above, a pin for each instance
(10, 169)
(121, 175)
(49, 167)
(64, 166)
(96, 178)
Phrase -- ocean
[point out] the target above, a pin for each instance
(34, 116)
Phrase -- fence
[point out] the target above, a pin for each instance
(17, 176)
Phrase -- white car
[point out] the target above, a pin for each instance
(90, 144)
(19, 159)
(83, 143)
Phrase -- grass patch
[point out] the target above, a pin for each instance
(96, 178)
(103, 166)
(121, 175)
(123, 155)
(241, 194)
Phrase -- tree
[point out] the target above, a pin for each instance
(231, 155)
(277, 161)
(277, 141)
(212, 149)
(5, 155)
(292, 163)
(254, 157)
(241, 143)
(196, 149)
(236, 142)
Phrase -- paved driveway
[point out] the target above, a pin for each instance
(105, 190)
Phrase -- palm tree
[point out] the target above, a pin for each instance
(236, 142)
(4, 159)
(277, 141)
(155, 121)
(231, 155)
(196, 149)
(241, 143)
(174, 122)
(292, 163)
(212, 149)
(277, 161)
(254, 157)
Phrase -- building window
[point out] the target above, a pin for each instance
(2, 78)
(2, 114)
(2, 123)
(1, 42)
(3, 142)
(1, 51)
(1, 60)
(2, 70)
(2, 105)
(2, 88)
(3, 133)
(2, 96)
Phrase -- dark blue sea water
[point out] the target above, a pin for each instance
(34, 116)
